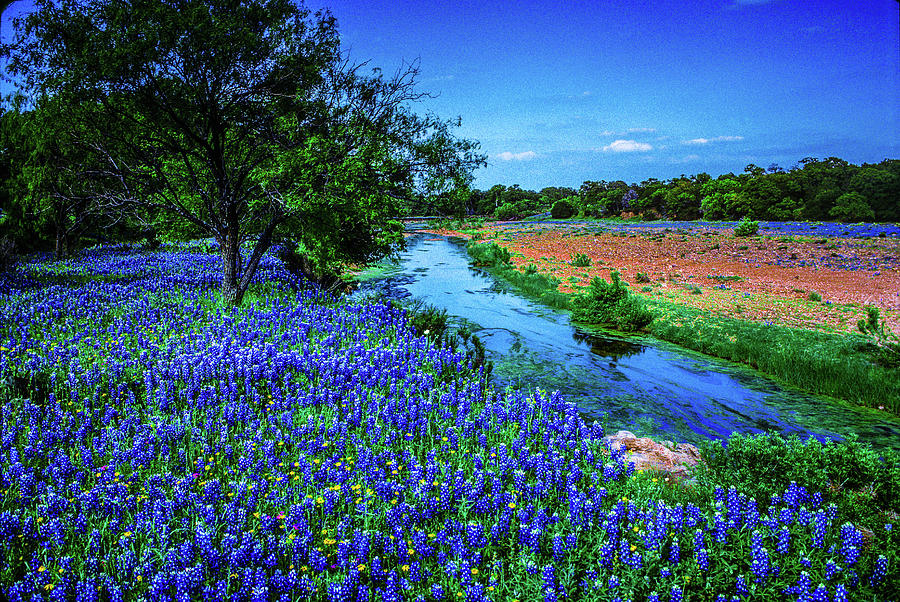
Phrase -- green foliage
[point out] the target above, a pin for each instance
(723, 199)
(247, 123)
(562, 209)
(808, 191)
(825, 363)
(529, 282)
(580, 260)
(507, 211)
(642, 277)
(488, 255)
(694, 289)
(746, 227)
(815, 297)
(862, 482)
(611, 303)
(852, 207)
(883, 337)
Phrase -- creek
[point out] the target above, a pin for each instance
(634, 383)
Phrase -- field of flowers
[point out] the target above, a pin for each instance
(814, 276)
(157, 445)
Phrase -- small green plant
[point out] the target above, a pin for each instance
(581, 260)
(530, 269)
(642, 277)
(695, 290)
(815, 297)
(611, 303)
(646, 289)
(746, 227)
(885, 338)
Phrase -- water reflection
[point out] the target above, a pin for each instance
(634, 383)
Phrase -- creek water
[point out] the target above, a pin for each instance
(635, 383)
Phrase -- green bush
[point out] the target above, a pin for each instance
(863, 482)
(746, 227)
(580, 260)
(642, 277)
(883, 337)
(852, 207)
(507, 211)
(814, 296)
(562, 209)
(489, 255)
(611, 303)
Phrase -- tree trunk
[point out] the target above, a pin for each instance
(231, 251)
(62, 243)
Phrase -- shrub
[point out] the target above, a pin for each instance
(611, 303)
(695, 290)
(814, 296)
(642, 277)
(580, 260)
(490, 255)
(428, 321)
(530, 269)
(507, 211)
(746, 227)
(863, 482)
(852, 207)
(886, 340)
(562, 209)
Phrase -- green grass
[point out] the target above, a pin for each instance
(496, 260)
(834, 364)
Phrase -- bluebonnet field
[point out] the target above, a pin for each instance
(159, 446)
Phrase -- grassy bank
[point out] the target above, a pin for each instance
(845, 367)
(160, 446)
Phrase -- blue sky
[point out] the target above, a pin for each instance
(562, 92)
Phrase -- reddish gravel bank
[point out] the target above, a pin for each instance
(766, 279)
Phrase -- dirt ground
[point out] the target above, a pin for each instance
(775, 279)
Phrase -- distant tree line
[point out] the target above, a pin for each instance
(814, 190)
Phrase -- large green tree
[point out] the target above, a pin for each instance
(244, 119)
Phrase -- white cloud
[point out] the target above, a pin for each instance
(716, 139)
(508, 156)
(626, 146)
